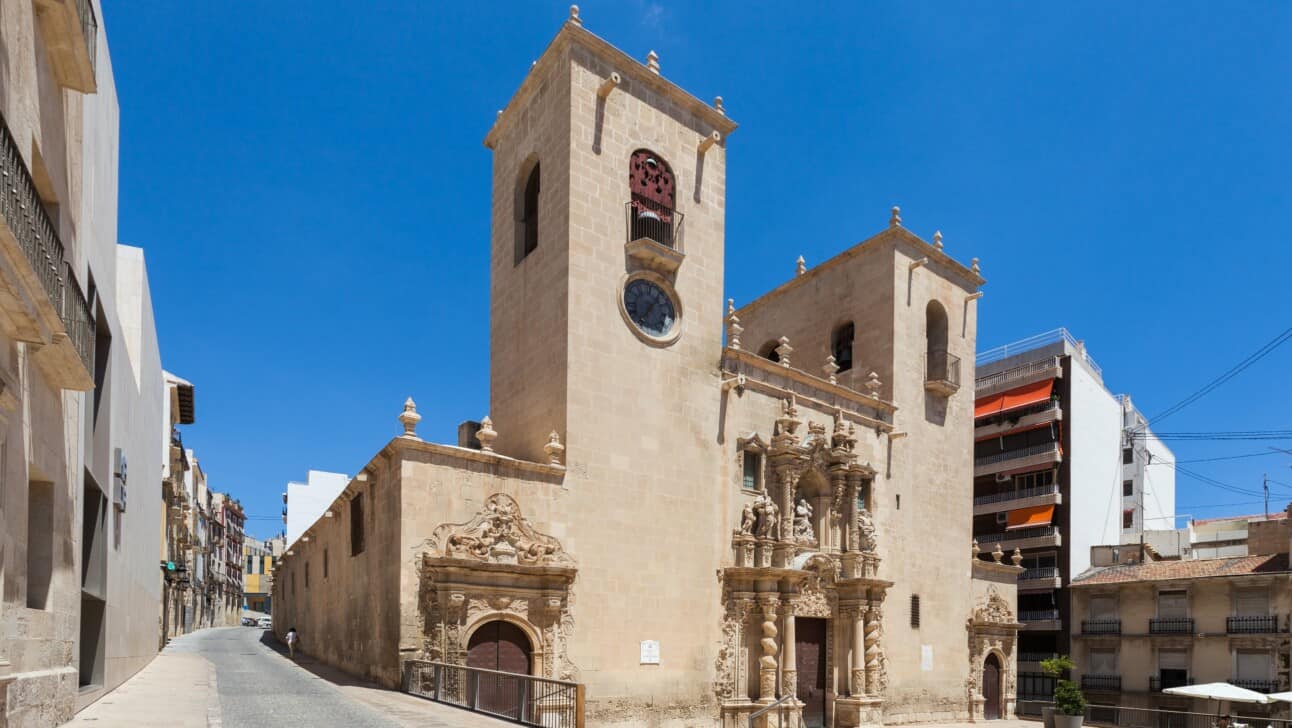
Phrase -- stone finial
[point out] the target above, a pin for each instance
(554, 448)
(717, 104)
(731, 307)
(997, 553)
(973, 265)
(1016, 557)
(733, 325)
(974, 550)
(652, 62)
(784, 350)
(409, 419)
(574, 16)
(873, 384)
(895, 219)
(802, 265)
(831, 369)
(486, 434)
(937, 239)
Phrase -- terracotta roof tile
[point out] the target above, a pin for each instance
(1190, 569)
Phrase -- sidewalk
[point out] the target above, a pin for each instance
(173, 691)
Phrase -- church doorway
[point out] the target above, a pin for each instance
(991, 687)
(503, 647)
(809, 646)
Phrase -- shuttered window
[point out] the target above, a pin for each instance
(915, 611)
(1173, 660)
(1251, 603)
(1253, 665)
(1103, 662)
(1172, 604)
(1103, 607)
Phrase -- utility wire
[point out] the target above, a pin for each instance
(1212, 460)
(1256, 356)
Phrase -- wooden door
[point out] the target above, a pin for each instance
(501, 646)
(991, 688)
(809, 646)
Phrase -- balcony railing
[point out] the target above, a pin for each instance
(941, 372)
(1026, 452)
(1034, 342)
(1106, 683)
(1018, 535)
(1252, 625)
(1157, 683)
(1010, 495)
(1013, 374)
(21, 206)
(1101, 626)
(1259, 685)
(1039, 572)
(651, 221)
(1170, 625)
(1038, 615)
(1036, 656)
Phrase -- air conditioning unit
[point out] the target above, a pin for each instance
(119, 479)
(1002, 478)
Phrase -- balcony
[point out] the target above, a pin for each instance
(39, 292)
(654, 235)
(1157, 684)
(1252, 625)
(1170, 625)
(70, 32)
(1040, 620)
(1101, 626)
(1018, 419)
(941, 373)
(1010, 499)
(1102, 683)
(1016, 376)
(1023, 538)
(1031, 661)
(1041, 578)
(1259, 685)
(1022, 459)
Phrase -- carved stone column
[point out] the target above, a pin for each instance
(854, 490)
(767, 663)
(789, 481)
(839, 514)
(744, 607)
(789, 659)
(857, 677)
(872, 648)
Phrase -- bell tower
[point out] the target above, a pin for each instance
(607, 243)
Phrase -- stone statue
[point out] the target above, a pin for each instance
(747, 520)
(866, 530)
(803, 522)
(768, 517)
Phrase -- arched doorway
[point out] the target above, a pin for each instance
(991, 687)
(501, 646)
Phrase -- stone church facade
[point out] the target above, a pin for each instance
(692, 509)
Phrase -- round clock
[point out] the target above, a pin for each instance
(649, 307)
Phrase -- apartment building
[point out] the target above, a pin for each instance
(178, 502)
(258, 575)
(1214, 538)
(1060, 465)
(1141, 627)
(80, 379)
(227, 519)
(304, 503)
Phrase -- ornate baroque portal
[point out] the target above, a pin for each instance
(805, 547)
(992, 631)
(496, 567)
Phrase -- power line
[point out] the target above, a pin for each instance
(1256, 356)
(1217, 484)
(1216, 435)
(1212, 460)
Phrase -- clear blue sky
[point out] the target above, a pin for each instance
(311, 189)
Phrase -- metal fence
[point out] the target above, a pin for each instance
(1025, 452)
(1251, 625)
(1008, 495)
(650, 220)
(1018, 534)
(942, 366)
(89, 29)
(1014, 373)
(1116, 716)
(524, 699)
(1101, 626)
(1170, 625)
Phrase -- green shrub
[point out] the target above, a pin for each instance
(1068, 699)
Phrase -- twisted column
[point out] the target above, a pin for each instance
(767, 663)
(872, 648)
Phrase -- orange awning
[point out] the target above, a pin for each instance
(1014, 398)
(1030, 517)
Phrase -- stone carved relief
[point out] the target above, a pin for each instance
(499, 534)
(748, 520)
(992, 629)
(866, 531)
(803, 533)
(993, 608)
(767, 518)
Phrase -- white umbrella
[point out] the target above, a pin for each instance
(1285, 697)
(1220, 691)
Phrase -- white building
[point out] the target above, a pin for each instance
(305, 503)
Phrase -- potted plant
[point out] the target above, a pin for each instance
(1069, 704)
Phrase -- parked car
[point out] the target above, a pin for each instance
(248, 621)
(266, 623)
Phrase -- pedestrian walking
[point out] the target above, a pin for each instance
(292, 639)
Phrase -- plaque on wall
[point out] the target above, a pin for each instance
(650, 652)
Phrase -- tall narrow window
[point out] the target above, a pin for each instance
(307, 575)
(1128, 518)
(356, 525)
(527, 213)
(324, 563)
(841, 345)
(750, 470)
(651, 209)
(40, 543)
(937, 362)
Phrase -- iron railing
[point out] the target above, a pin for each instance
(780, 706)
(1252, 625)
(942, 366)
(89, 28)
(524, 699)
(1026, 452)
(1101, 626)
(1013, 373)
(650, 220)
(1259, 685)
(37, 235)
(1038, 615)
(1039, 572)
(1034, 342)
(1158, 683)
(1010, 495)
(1170, 625)
(1018, 535)
(1111, 716)
(1101, 682)
(1036, 656)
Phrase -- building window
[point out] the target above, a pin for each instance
(751, 471)
(307, 575)
(293, 583)
(1252, 665)
(935, 331)
(1173, 604)
(1038, 479)
(527, 212)
(1172, 668)
(1103, 662)
(1128, 455)
(324, 563)
(769, 351)
(1103, 607)
(1128, 518)
(356, 525)
(1251, 603)
(915, 611)
(652, 207)
(841, 346)
(40, 543)
(1128, 487)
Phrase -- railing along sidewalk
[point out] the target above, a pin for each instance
(525, 699)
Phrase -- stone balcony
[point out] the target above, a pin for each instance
(70, 32)
(1020, 460)
(1022, 539)
(1008, 501)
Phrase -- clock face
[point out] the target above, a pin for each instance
(649, 307)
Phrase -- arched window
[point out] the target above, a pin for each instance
(841, 346)
(651, 209)
(769, 350)
(935, 331)
(527, 213)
